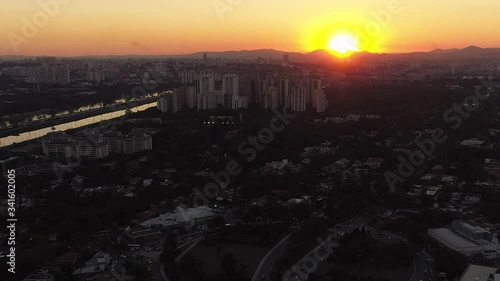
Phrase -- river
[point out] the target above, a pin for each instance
(34, 134)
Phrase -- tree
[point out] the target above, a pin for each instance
(217, 221)
(427, 201)
(273, 209)
(191, 268)
(169, 249)
(301, 211)
(140, 271)
(231, 266)
(363, 230)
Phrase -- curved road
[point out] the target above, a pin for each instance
(422, 262)
(266, 264)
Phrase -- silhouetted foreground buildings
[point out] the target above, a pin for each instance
(95, 145)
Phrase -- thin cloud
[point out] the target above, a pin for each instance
(139, 46)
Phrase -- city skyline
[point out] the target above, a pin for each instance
(243, 140)
(73, 28)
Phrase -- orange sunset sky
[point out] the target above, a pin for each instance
(118, 27)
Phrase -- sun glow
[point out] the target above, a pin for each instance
(343, 45)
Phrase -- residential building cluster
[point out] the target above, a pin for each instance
(43, 74)
(94, 144)
(238, 91)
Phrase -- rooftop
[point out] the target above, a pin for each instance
(475, 229)
(39, 275)
(142, 232)
(452, 238)
(480, 273)
(68, 258)
(180, 216)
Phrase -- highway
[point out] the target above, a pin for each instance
(422, 267)
(266, 264)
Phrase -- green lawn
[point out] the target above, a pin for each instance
(367, 270)
(208, 254)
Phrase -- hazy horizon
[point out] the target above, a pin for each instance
(227, 51)
(155, 27)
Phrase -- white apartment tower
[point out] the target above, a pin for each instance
(298, 101)
(230, 84)
(321, 103)
(205, 84)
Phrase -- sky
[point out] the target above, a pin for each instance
(120, 27)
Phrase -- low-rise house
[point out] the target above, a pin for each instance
(448, 180)
(280, 167)
(434, 192)
(470, 199)
(472, 142)
(294, 201)
(147, 182)
(374, 163)
(456, 197)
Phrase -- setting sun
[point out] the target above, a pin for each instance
(343, 45)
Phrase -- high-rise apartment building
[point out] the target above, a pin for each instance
(321, 103)
(49, 74)
(239, 102)
(298, 99)
(186, 97)
(284, 93)
(210, 100)
(94, 75)
(230, 84)
(188, 77)
(205, 84)
(62, 75)
(169, 102)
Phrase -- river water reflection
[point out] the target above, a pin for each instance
(26, 136)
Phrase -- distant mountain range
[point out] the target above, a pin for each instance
(471, 52)
(468, 53)
(317, 56)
